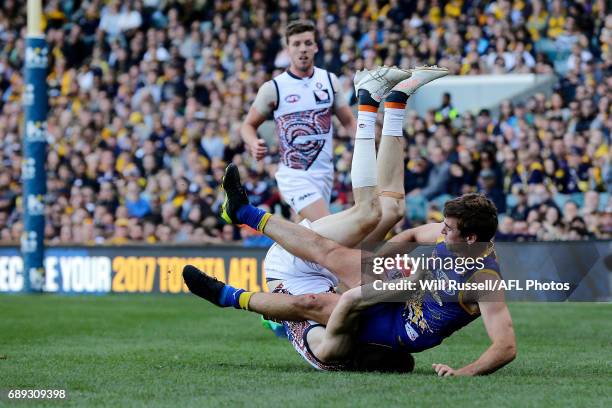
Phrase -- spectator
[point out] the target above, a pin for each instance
(438, 175)
(446, 109)
(136, 205)
(144, 99)
(488, 186)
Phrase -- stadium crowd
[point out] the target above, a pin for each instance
(147, 97)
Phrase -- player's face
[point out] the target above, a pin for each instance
(451, 231)
(452, 237)
(302, 49)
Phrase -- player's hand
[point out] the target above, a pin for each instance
(257, 149)
(443, 370)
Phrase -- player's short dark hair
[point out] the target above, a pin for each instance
(299, 27)
(475, 214)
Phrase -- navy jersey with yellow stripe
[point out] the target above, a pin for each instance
(428, 319)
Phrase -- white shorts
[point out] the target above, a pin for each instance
(298, 276)
(301, 188)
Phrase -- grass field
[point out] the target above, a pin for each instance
(148, 351)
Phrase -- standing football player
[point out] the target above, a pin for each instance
(302, 100)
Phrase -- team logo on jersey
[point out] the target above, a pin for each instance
(321, 96)
(413, 313)
(293, 98)
(319, 85)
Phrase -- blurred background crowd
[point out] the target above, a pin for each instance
(147, 97)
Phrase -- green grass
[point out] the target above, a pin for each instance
(149, 351)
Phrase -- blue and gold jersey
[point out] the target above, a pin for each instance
(433, 315)
(438, 313)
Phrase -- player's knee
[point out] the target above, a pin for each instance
(399, 210)
(511, 351)
(394, 211)
(308, 304)
(325, 355)
(369, 214)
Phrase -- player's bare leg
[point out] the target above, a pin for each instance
(317, 307)
(342, 227)
(296, 239)
(351, 226)
(308, 245)
(339, 312)
(315, 211)
(391, 150)
(391, 184)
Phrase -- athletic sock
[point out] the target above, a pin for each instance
(363, 167)
(238, 298)
(254, 217)
(366, 116)
(395, 105)
(243, 300)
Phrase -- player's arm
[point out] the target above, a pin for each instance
(498, 323)
(344, 319)
(254, 145)
(345, 116)
(426, 234)
(341, 107)
(264, 104)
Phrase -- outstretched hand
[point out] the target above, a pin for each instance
(443, 370)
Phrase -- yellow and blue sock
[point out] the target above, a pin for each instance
(238, 298)
(254, 217)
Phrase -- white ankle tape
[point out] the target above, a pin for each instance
(363, 168)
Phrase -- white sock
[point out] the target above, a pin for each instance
(366, 124)
(393, 122)
(363, 168)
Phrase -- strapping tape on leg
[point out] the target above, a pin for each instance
(392, 194)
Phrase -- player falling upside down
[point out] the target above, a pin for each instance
(358, 317)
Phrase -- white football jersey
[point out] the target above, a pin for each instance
(304, 120)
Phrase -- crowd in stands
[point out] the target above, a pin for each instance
(147, 97)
